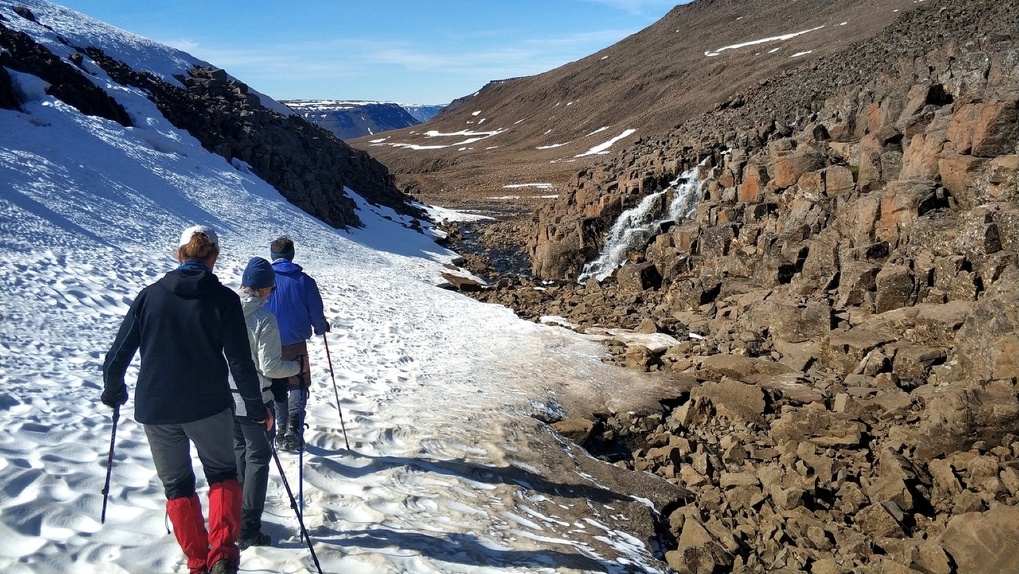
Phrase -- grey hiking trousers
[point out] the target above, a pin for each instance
(171, 452)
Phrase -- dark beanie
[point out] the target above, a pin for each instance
(258, 274)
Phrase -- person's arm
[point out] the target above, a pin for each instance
(270, 355)
(238, 356)
(316, 310)
(119, 357)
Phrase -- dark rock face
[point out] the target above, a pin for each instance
(8, 99)
(66, 83)
(308, 165)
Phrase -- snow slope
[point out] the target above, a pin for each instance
(447, 471)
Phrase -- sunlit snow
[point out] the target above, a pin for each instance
(437, 390)
(717, 51)
(603, 148)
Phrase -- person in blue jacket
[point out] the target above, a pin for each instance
(297, 305)
(190, 330)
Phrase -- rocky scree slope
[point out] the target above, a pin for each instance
(844, 305)
(534, 128)
(308, 165)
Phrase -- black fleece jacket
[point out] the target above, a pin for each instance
(190, 329)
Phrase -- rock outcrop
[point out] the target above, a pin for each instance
(846, 295)
(308, 165)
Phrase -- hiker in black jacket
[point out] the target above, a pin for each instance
(190, 330)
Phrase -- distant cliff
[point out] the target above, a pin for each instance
(353, 119)
(423, 112)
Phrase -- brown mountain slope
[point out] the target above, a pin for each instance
(545, 128)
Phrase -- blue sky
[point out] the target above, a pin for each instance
(407, 51)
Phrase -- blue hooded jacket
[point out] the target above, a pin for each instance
(296, 303)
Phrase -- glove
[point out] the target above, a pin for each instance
(115, 395)
(259, 417)
(279, 390)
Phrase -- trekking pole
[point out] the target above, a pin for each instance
(293, 503)
(300, 454)
(109, 462)
(335, 392)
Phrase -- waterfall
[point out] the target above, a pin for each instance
(636, 226)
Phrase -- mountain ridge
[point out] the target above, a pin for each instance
(350, 119)
(537, 128)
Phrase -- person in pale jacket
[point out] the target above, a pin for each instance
(251, 443)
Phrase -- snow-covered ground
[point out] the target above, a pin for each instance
(447, 471)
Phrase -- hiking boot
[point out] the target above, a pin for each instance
(280, 441)
(223, 566)
(256, 539)
(292, 438)
(291, 443)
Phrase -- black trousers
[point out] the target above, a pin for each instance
(252, 452)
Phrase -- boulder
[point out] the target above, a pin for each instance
(984, 542)
(818, 426)
(858, 279)
(959, 174)
(985, 129)
(901, 203)
(987, 344)
(462, 283)
(698, 552)
(895, 481)
(751, 188)
(912, 363)
(880, 520)
(955, 418)
(794, 322)
(1002, 175)
(843, 351)
(920, 160)
(638, 277)
(732, 399)
(838, 180)
(787, 166)
(895, 288)
(577, 430)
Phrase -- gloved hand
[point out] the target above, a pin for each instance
(302, 376)
(114, 395)
(262, 418)
(279, 390)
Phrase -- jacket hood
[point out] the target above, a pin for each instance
(285, 266)
(249, 303)
(190, 283)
